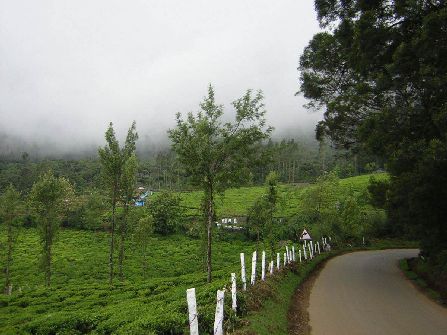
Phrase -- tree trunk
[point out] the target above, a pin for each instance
(47, 256)
(209, 236)
(123, 229)
(210, 218)
(8, 258)
(145, 264)
(112, 242)
(48, 265)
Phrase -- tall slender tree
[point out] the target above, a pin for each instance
(10, 206)
(113, 160)
(217, 155)
(260, 218)
(50, 197)
(128, 184)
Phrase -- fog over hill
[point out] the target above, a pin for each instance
(70, 67)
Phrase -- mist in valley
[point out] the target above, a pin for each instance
(69, 69)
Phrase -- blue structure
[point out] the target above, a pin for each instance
(141, 200)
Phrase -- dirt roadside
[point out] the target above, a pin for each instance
(298, 314)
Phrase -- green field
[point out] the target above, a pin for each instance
(81, 301)
(237, 201)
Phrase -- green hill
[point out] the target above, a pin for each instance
(237, 201)
(80, 300)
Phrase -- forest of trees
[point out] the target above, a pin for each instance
(378, 70)
(294, 160)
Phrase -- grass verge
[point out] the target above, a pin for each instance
(270, 301)
(408, 268)
(269, 314)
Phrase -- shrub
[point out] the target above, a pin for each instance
(166, 211)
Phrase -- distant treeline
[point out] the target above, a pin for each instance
(294, 162)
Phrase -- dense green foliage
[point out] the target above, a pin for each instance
(294, 160)
(83, 173)
(379, 71)
(260, 219)
(166, 212)
(429, 276)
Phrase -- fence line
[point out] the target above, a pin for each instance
(289, 258)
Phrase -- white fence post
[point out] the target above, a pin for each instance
(192, 309)
(319, 250)
(293, 253)
(278, 260)
(263, 266)
(219, 316)
(305, 253)
(244, 280)
(253, 268)
(285, 259)
(233, 292)
(310, 251)
(287, 255)
(300, 256)
(271, 267)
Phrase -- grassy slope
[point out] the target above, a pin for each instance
(237, 201)
(272, 317)
(81, 299)
(421, 274)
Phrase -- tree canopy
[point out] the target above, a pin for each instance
(216, 154)
(50, 198)
(119, 166)
(379, 71)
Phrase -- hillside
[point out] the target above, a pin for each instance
(237, 201)
(80, 299)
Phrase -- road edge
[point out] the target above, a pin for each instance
(420, 283)
(298, 312)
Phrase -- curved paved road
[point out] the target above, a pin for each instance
(365, 293)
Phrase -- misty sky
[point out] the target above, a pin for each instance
(67, 68)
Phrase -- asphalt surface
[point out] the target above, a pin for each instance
(365, 293)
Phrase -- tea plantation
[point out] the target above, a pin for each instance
(237, 201)
(81, 301)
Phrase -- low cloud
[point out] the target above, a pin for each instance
(68, 68)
